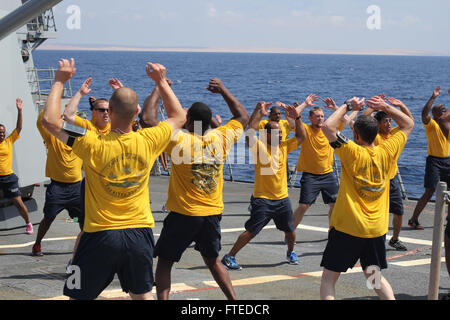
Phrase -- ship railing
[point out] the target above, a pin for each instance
(41, 82)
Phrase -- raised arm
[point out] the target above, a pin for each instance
(72, 106)
(290, 120)
(348, 120)
(51, 119)
(149, 115)
(333, 123)
(175, 112)
(300, 131)
(19, 105)
(309, 102)
(261, 110)
(426, 109)
(237, 109)
(216, 121)
(405, 123)
(402, 106)
(115, 83)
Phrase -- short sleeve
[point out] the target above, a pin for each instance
(394, 145)
(85, 145)
(14, 136)
(158, 136)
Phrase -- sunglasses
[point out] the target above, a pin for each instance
(102, 110)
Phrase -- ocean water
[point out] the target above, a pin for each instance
(274, 77)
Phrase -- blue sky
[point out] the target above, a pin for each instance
(316, 25)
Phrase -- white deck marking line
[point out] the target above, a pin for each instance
(325, 230)
(301, 226)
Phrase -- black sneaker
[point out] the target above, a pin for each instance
(397, 245)
(415, 225)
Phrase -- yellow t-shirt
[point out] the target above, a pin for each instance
(89, 125)
(117, 169)
(62, 164)
(362, 205)
(270, 170)
(6, 153)
(438, 144)
(381, 138)
(196, 177)
(284, 124)
(316, 154)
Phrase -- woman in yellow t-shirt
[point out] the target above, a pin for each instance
(8, 180)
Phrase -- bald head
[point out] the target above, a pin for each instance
(124, 104)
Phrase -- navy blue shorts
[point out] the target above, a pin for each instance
(313, 184)
(264, 210)
(179, 231)
(60, 196)
(436, 169)
(10, 186)
(343, 251)
(395, 197)
(100, 255)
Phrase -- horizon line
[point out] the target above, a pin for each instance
(386, 52)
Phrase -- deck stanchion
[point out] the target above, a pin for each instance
(438, 230)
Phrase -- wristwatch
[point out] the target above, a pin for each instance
(349, 105)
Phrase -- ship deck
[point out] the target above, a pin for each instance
(265, 275)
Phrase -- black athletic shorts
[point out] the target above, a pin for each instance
(313, 184)
(179, 231)
(10, 186)
(343, 251)
(395, 197)
(264, 210)
(100, 255)
(60, 196)
(436, 169)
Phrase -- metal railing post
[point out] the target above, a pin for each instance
(438, 230)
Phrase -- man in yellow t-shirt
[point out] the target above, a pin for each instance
(99, 123)
(195, 190)
(270, 199)
(275, 116)
(437, 129)
(385, 132)
(315, 161)
(9, 182)
(360, 217)
(63, 167)
(117, 237)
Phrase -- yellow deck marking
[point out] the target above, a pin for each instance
(23, 245)
(252, 281)
(412, 263)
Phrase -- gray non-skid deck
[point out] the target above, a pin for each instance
(265, 275)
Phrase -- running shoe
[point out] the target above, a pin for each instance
(292, 257)
(36, 251)
(230, 263)
(415, 224)
(397, 245)
(164, 209)
(30, 228)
